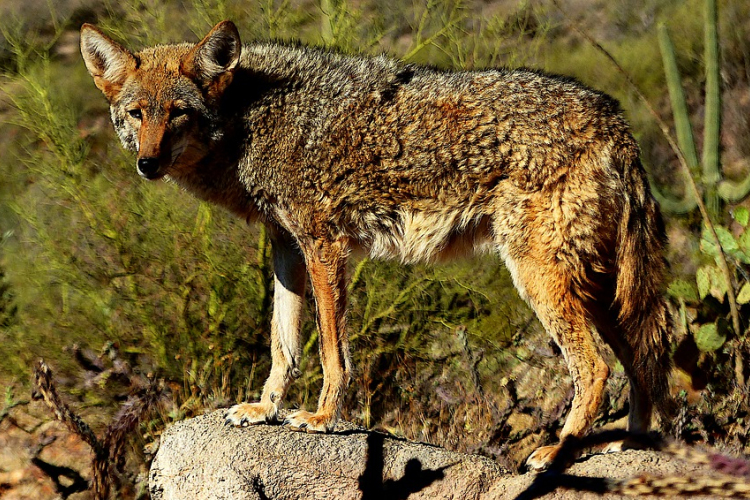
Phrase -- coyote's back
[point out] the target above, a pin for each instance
(334, 153)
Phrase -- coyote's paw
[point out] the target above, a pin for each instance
(542, 458)
(621, 445)
(613, 447)
(245, 414)
(310, 422)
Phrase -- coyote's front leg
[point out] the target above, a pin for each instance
(289, 291)
(326, 265)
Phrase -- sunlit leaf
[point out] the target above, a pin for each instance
(719, 284)
(741, 215)
(703, 281)
(744, 296)
(726, 238)
(709, 338)
(682, 289)
(745, 241)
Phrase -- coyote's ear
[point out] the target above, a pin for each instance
(211, 63)
(107, 61)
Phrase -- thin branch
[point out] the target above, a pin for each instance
(48, 393)
(108, 451)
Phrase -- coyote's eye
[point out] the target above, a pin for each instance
(178, 112)
(136, 113)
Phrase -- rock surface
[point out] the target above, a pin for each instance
(40, 459)
(204, 458)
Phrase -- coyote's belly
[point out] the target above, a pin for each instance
(430, 236)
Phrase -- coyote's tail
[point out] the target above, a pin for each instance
(644, 318)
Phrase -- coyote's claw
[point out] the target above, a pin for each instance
(304, 421)
(245, 414)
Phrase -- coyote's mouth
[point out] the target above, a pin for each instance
(156, 168)
(177, 151)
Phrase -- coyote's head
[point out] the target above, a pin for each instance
(164, 100)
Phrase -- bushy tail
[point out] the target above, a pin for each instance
(644, 318)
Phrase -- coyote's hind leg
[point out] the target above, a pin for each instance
(289, 291)
(547, 286)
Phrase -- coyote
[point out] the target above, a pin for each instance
(336, 153)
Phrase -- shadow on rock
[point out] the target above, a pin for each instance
(415, 478)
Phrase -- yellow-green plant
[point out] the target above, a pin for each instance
(708, 292)
(715, 188)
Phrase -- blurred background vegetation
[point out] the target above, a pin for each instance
(98, 266)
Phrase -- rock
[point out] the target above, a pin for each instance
(31, 448)
(204, 458)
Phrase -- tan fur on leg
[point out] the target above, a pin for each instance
(326, 264)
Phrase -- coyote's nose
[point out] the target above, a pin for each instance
(148, 167)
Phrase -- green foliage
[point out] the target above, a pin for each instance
(8, 306)
(744, 296)
(709, 338)
(714, 187)
(682, 289)
(682, 122)
(9, 402)
(98, 268)
(709, 330)
(742, 216)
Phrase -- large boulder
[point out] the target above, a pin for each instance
(204, 458)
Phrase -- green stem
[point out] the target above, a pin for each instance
(712, 130)
(682, 126)
(734, 191)
(329, 8)
(674, 206)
